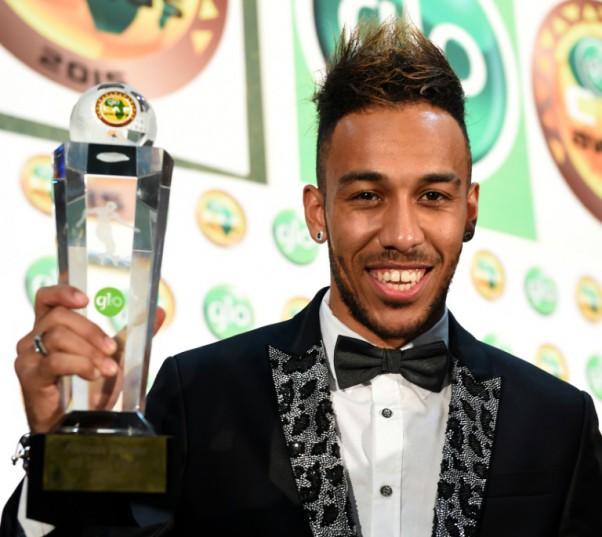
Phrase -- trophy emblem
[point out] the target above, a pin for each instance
(111, 193)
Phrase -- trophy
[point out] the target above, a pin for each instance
(111, 192)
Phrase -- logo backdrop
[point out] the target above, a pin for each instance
(231, 81)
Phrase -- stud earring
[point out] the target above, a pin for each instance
(320, 236)
(468, 236)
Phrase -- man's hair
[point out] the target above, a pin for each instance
(384, 65)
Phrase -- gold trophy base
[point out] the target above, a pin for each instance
(92, 464)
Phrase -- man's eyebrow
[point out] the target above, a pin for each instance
(355, 176)
(373, 176)
(442, 178)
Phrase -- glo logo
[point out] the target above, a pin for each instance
(550, 359)
(293, 306)
(293, 239)
(41, 273)
(589, 298)
(593, 372)
(488, 275)
(496, 341)
(109, 301)
(477, 45)
(227, 312)
(541, 291)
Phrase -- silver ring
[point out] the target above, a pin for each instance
(38, 344)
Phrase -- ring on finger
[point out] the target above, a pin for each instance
(38, 344)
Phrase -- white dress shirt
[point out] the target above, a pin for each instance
(391, 434)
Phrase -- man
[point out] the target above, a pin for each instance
(278, 434)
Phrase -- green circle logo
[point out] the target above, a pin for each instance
(496, 341)
(292, 238)
(109, 301)
(585, 60)
(477, 46)
(593, 372)
(541, 291)
(227, 312)
(41, 273)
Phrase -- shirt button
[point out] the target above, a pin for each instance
(387, 412)
(386, 490)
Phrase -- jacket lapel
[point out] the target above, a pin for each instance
(471, 425)
(302, 389)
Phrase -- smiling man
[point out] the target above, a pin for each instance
(372, 412)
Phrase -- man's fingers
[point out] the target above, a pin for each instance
(58, 295)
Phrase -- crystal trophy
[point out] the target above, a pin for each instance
(111, 192)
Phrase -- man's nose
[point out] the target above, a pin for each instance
(400, 226)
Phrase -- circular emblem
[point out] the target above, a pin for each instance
(496, 341)
(567, 85)
(292, 238)
(157, 46)
(550, 359)
(227, 311)
(41, 273)
(293, 306)
(589, 298)
(109, 301)
(116, 109)
(593, 373)
(488, 275)
(541, 291)
(36, 182)
(221, 218)
(475, 40)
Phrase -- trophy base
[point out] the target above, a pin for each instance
(93, 466)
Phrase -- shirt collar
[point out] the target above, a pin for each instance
(331, 328)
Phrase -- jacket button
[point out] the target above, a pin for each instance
(386, 412)
(386, 490)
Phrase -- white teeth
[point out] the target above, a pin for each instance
(400, 280)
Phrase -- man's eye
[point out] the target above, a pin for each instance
(366, 196)
(434, 196)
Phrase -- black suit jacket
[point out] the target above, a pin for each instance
(257, 451)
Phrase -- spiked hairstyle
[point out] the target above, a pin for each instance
(384, 65)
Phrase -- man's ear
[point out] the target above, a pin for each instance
(313, 202)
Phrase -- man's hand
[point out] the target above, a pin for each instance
(75, 346)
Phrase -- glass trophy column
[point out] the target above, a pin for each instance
(111, 193)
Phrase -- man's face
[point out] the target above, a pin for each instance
(397, 204)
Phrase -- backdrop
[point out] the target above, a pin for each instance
(230, 81)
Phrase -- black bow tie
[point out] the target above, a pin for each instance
(356, 361)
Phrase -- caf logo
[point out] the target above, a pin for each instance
(488, 275)
(221, 218)
(159, 46)
(567, 85)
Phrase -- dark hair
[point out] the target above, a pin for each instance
(384, 65)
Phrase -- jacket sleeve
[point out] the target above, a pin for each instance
(582, 514)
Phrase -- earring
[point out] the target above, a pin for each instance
(468, 236)
(320, 236)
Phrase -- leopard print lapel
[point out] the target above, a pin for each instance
(308, 422)
(466, 453)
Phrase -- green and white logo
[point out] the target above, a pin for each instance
(109, 301)
(585, 60)
(496, 341)
(293, 239)
(41, 273)
(593, 372)
(541, 291)
(227, 311)
(477, 38)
